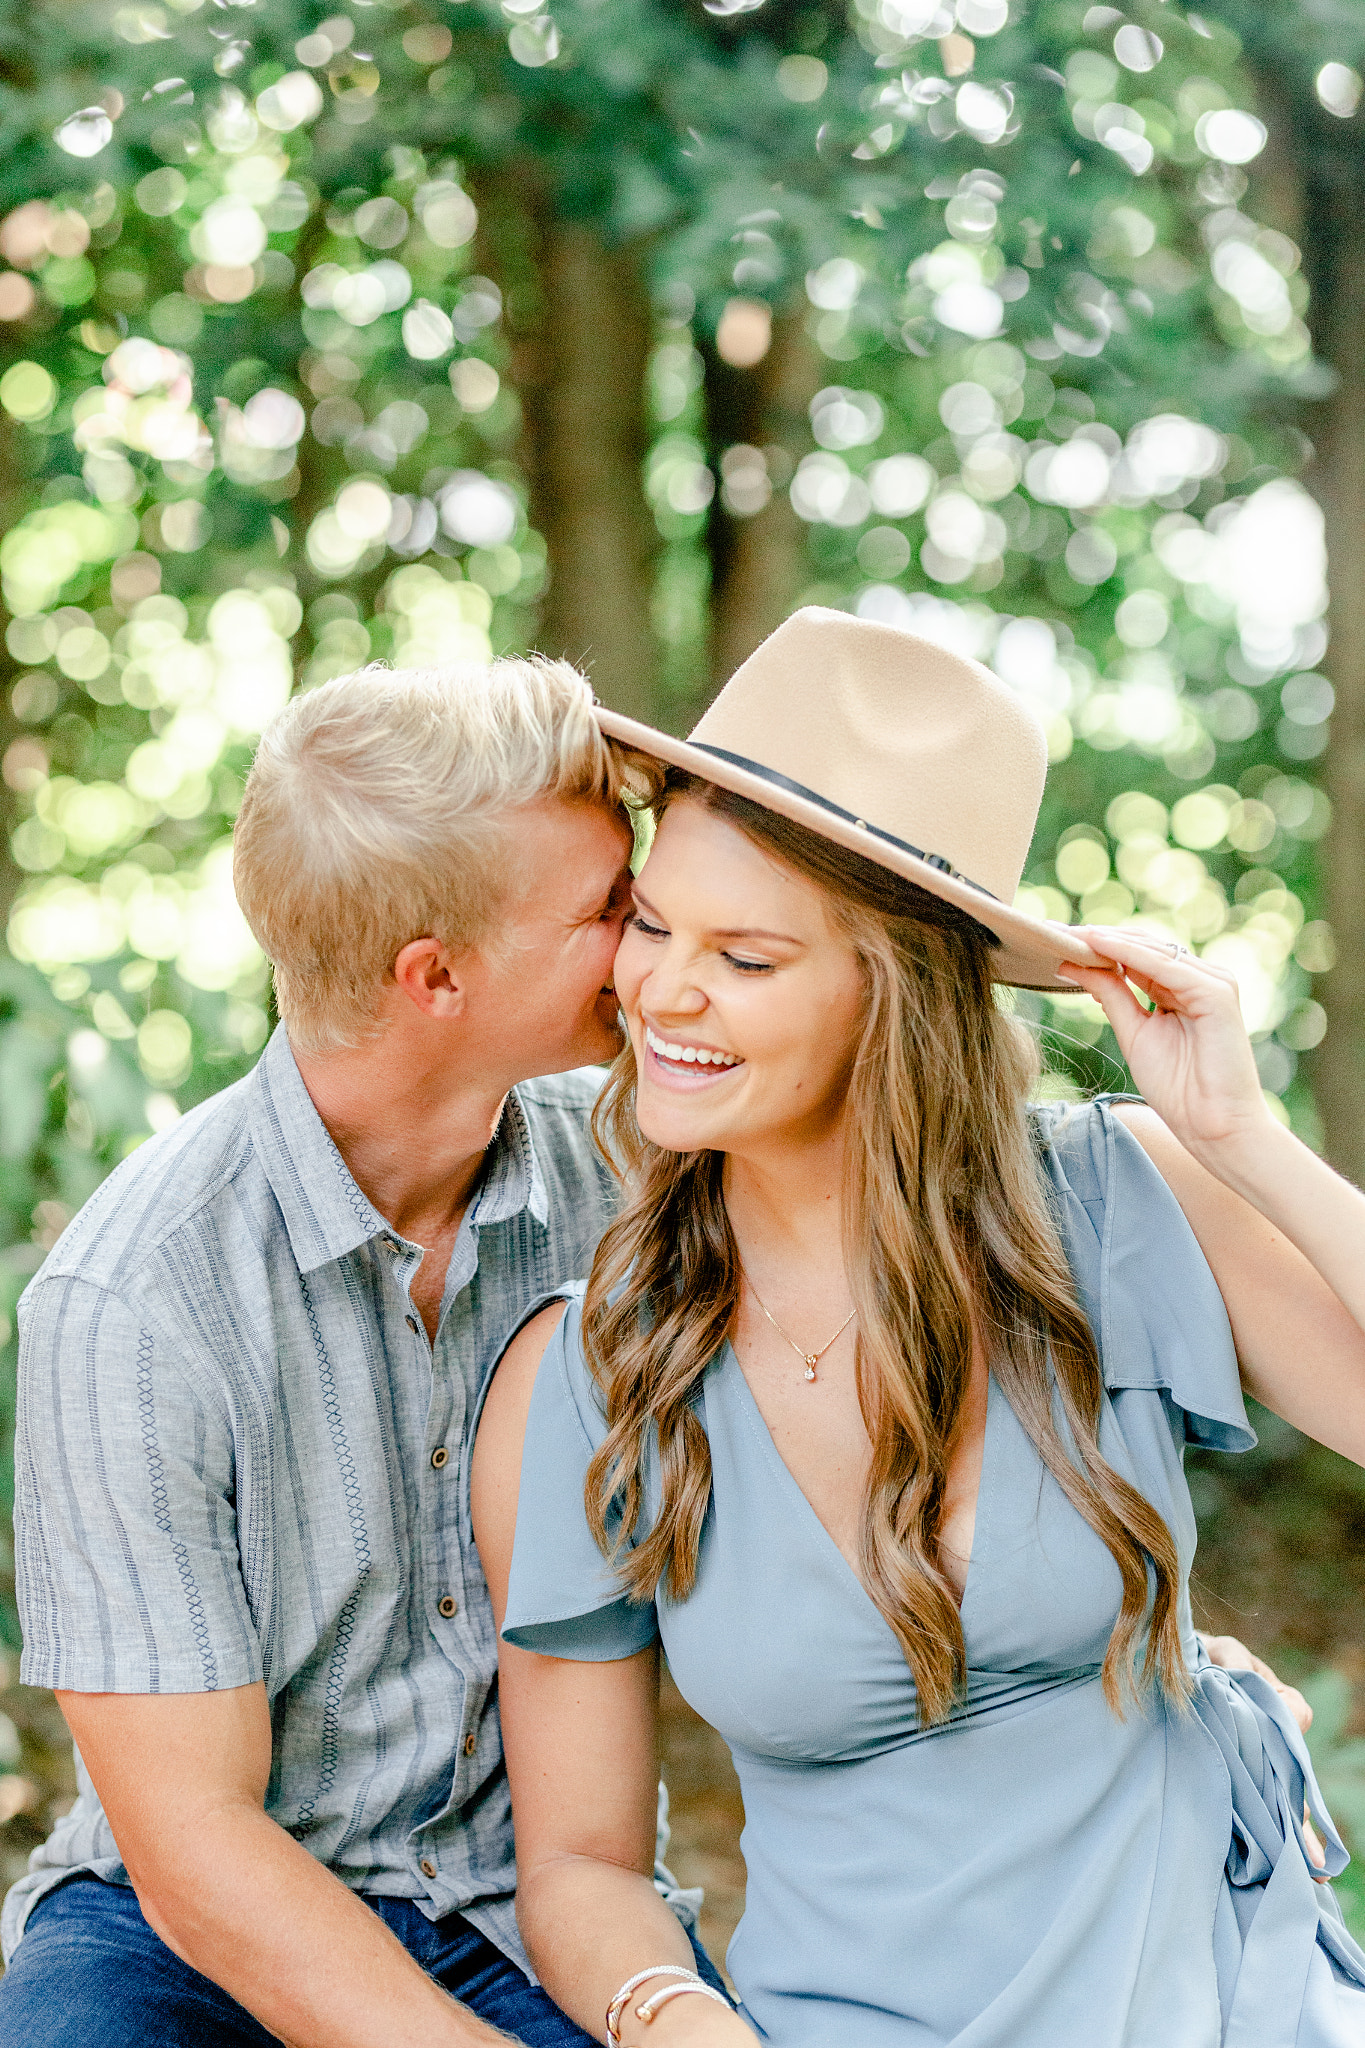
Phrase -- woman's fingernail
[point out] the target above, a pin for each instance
(1062, 975)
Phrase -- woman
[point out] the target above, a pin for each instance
(873, 1415)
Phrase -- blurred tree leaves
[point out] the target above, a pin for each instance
(418, 330)
(1339, 1762)
(1338, 1758)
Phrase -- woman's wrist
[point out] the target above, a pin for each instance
(645, 1989)
(1253, 1159)
(670, 2006)
(692, 2022)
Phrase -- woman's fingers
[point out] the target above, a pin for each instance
(1230, 1653)
(1139, 955)
(1312, 1842)
(1296, 1703)
(1109, 988)
(1233, 1655)
(1170, 978)
(1179, 1026)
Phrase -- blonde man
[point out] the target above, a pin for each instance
(249, 1376)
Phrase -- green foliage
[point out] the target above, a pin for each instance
(1339, 1762)
(1338, 1759)
(273, 312)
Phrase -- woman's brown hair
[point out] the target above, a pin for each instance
(947, 1230)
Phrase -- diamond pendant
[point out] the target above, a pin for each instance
(810, 1365)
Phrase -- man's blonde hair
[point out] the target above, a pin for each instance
(377, 811)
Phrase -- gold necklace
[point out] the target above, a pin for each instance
(811, 1358)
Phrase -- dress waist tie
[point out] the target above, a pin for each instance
(1272, 1781)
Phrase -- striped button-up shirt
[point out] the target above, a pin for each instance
(240, 1459)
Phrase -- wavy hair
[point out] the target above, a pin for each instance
(947, 1231)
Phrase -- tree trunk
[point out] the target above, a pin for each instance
(1340, 321)
(17, 496)
(581, 361)
(1332, 172)
(759, 562)
(1311, 186)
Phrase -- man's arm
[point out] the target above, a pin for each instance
(136, 1615)
(182, 1779)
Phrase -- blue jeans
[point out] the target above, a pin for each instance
(90, 1973)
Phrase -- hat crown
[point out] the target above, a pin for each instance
(906, 736)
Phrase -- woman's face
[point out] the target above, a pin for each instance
(742, 999)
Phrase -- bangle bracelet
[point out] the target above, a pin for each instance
(618, 2004)
(660, 1999)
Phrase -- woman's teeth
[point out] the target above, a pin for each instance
(689, 1055)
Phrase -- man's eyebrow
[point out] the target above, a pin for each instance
(747, 931)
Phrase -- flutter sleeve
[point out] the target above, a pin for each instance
(1145, 1285)
(564, 1599)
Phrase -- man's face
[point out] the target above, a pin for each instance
(544, 979)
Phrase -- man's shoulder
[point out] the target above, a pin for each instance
(576, 1091)
(558, 1110)
(159, 1190)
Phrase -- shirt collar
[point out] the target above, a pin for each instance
(325, 1212)
(513, 1180)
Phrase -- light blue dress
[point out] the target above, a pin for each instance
(1036, 1873)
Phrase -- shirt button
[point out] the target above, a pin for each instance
(427, 1867)
(440, 1456)
(411, 1323)
(471, 1743)
(447, 1605)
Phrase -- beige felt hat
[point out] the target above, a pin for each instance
(896, 748)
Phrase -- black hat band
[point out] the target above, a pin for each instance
(932, 860)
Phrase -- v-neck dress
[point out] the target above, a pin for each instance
(1036, 1872)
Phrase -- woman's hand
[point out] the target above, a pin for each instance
(1233, 1655)
(1230, 1653)
(1283, 1234)
(1189, 1054)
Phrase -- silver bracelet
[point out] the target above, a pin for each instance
(618, 2004)
(660, 1999)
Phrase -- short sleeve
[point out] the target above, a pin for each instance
(1151, 1299)
(127, 1567)
(563, 1598)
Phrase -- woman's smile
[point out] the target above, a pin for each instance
(677, 1061)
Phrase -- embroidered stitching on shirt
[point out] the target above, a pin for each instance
(161, 1512)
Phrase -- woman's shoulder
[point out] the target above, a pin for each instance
(1147, 1290)
(1093, 1150)
(543, 1365)
(565, 1598)
(1074, 1139)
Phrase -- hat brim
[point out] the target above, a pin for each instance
(1029, 950)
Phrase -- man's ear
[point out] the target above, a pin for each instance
(432, 978)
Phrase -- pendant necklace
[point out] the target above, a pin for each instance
(810, 1358)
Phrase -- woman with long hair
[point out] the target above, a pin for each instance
(872, 1417)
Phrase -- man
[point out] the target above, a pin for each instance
(249, 1377)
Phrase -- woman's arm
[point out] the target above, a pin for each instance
(1283, 1234)
(582, 1756)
